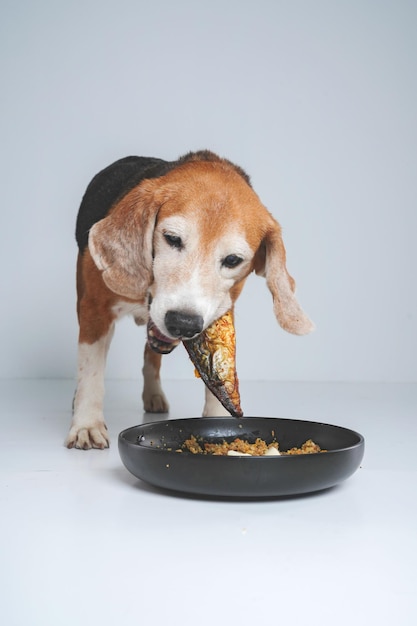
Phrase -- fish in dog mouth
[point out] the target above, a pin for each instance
(158, 341)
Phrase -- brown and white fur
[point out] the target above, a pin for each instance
(170, 243)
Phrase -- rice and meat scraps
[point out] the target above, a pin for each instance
(241, 447)
(308, 447)
(259, 448)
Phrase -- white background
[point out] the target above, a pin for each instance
(316, 100)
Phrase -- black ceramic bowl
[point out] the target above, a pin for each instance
(149, 452)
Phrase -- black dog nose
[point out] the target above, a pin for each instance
(180, 324)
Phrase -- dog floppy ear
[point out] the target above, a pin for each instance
(270, 261)
(121, 243)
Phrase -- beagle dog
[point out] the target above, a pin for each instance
(170, 243)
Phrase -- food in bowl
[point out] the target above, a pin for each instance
(241, 447)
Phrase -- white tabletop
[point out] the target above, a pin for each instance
(84, 542)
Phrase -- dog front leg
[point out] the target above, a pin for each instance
(154, 399)
(213, 407)
(88, 429)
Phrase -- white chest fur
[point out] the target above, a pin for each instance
(138, 311)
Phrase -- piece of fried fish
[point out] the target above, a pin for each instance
(213, 354)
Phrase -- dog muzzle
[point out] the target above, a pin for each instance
(159, 342)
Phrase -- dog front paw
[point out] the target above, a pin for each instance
(155, 403)
(87, 437)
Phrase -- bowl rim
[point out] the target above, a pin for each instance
(170, 451)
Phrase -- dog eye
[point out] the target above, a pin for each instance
(232, 260)
(174, 241)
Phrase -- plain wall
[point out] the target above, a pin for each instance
(316, 100)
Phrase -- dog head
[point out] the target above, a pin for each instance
(189, 239)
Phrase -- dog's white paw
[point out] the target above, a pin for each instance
(87, 437)
(155, 402)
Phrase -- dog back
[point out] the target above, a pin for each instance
(110, 185)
